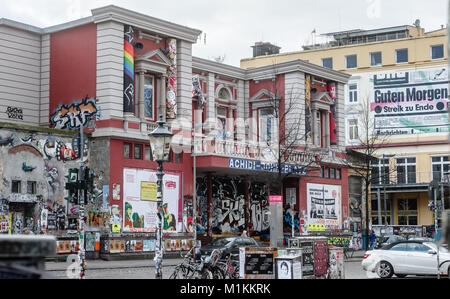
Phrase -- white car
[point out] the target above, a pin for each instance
(407, 258)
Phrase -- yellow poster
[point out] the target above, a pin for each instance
(316, 227)
(148, 191)
(116, 228)
(10, 223)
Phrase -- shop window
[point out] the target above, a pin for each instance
(31, 187)
(16, 187)
(401, 55)
(437, 52)
(127, 150)
(138, 151)
(147, 154)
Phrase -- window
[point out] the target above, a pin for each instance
(437, 52)
(31, 187)
(138, 151)
(400, 247)
(327, 62)
(353, 92)
(353, 129)
(148, 97)
(407, 204)
(380, 171)
(351, 62)
(127, 151)
(418, 247)
(178, 158)
(338, 174)
(222, 122)
(16, 187)
(147, 154)
(224, 94)
(402, 55)
(327, 173)
(440, 166)
(406, 171)
(375, 59)
(407, 211)
(266, 125)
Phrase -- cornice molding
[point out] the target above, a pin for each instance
(145, 22)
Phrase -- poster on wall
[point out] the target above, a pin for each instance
(324, 202)
(410, 102)
(116, 192)
(140, 206)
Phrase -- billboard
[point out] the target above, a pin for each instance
(324, 202)
(410, 101)
(140, 206)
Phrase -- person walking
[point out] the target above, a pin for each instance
(372, 239)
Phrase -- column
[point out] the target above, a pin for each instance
(162, 97)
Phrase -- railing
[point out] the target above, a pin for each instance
(407, 178)
(249, 150)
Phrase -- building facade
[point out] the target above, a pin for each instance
(400, 81)
(115, 73)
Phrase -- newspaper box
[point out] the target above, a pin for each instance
(315, 254)
(288, 267)
(336, 258)
(257, 263)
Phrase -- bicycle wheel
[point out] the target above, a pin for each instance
(218, 273)
(206, 274)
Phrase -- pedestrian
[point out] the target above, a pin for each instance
(372, 239)
(244, 234)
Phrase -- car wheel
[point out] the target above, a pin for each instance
(401, 275)
(385, 270)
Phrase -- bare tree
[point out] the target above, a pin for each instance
(365, 153)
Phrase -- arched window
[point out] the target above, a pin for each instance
(224, 94)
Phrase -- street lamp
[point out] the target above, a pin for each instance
(160, 140)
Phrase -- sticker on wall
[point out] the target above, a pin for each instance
(116, 192)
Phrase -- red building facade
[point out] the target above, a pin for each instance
(230, 117)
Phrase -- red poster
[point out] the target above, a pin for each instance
(320, 258)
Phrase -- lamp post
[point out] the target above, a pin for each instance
(160, 140)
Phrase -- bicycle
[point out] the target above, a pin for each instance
(205, 269)
(229, 267)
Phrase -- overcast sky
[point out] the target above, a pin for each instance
(233, 26)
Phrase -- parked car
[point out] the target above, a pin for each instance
(407, 258)
(228, 245)
(386, 240)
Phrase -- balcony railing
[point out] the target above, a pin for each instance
(407, 178)
(248, 150)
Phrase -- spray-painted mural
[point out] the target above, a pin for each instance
(75, 115)
(229, 206)
(33, 197)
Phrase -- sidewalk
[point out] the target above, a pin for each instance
(119, 264)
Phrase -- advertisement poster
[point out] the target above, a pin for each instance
(324, 202)
(90, 241)
(141, 212)
(105, 196)
(4, 223)
(308, 258)
(320, 258)
(148, 191)
(410, 102)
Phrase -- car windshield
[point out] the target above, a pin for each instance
(222, 241)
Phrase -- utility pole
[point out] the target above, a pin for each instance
(81, 201)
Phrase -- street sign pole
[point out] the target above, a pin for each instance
(436, 227)
(81, 251)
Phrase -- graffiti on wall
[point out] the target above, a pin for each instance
(229, 205)
(75, 115)
(14, 113)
